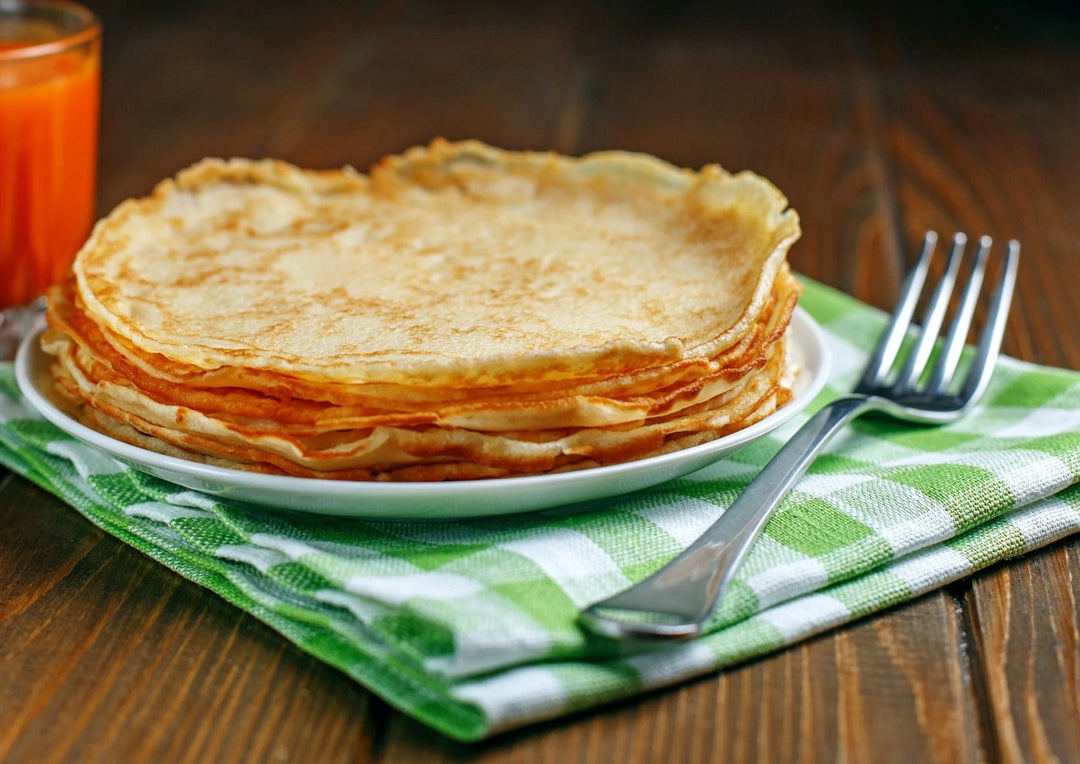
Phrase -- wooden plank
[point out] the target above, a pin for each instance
(337, 84)
(404, 81)
(1026, 629)
(798, 109)
(107, 655)
(982, 135)
(215, 80)
(888, 689)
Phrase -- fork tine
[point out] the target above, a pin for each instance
(982, 365)
(889, 345)
(935, 315)
(942, 375)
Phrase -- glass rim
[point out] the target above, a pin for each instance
(88, 31)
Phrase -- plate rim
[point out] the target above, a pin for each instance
(811, 346)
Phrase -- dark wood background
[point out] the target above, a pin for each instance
(877, 124)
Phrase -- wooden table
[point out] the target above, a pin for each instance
(877, 125)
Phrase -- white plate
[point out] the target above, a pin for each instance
(446, 500)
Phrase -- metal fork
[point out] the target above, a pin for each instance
(679, 599)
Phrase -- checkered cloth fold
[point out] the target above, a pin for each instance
(471, 626)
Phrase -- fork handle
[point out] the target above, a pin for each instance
(676, 601)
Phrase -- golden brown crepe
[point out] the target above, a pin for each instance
(463, 312)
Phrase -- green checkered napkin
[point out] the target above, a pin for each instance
(470, 626)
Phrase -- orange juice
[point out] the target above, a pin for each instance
(49, 96)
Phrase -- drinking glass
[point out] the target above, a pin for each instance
(50, 63)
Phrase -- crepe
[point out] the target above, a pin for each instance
(461, 312)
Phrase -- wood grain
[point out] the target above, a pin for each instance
(876, 123)
(981, 130)
(1028, 638)
(799, 110)
(106, 655)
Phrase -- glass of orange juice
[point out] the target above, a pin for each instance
(50, 64)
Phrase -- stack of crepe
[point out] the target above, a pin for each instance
(460, 312)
